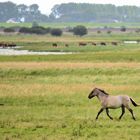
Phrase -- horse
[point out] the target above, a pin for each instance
(66, 45)
(103, 43)
(54, 45)
(112, 102)
(93, 43)
(114, 43)
(82, 44)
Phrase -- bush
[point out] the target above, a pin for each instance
(24, 30)
(38, 30)
(9, 30)
(35, 30)
(80, 30)
(56, 32)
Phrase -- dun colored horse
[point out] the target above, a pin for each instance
(112, 102)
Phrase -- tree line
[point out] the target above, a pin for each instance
(21, 13)
(70, 12)
(95, 13)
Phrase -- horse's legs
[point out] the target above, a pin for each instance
(131, 111)
(123, 111)
(101, 110)
(107, 112)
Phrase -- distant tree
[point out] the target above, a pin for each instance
(22, 11)
(84, 12)
(80, 30)
(34, 9)
(70, 12)
(56, 32)
(38, 30)
(8, 10)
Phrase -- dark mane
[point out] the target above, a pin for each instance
(103, 91)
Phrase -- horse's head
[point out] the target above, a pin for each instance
(96, 92)
(93, 93)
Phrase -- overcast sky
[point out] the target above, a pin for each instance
(46, 5)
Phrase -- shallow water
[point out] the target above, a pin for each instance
(9, 51)
(131, 42)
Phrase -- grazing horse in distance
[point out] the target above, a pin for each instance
(114, 43)
(6, 45)
(66, 45)
(103, 43)
(112, 102)
(93, 43)
(82, 44)
(54, 44)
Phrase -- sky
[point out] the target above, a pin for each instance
(46, 5)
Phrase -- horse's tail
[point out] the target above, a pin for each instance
(133, 102)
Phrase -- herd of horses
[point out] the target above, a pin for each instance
(88, 43)
(7, 44)
(11, 44)
(100, 43)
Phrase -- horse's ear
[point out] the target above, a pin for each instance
(96, 88)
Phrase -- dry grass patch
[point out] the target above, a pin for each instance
(42, 89)
(63, 65)
(18, 90)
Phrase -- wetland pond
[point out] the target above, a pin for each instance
(10, 51)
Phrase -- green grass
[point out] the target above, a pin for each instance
(45, 97)
(52, 103)
(38, 118)
(123, 56)
(62, 72)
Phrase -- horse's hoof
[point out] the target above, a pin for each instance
(134, 119)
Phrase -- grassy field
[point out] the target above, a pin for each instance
(45, 97)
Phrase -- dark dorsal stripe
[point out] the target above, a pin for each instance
(103, 91)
